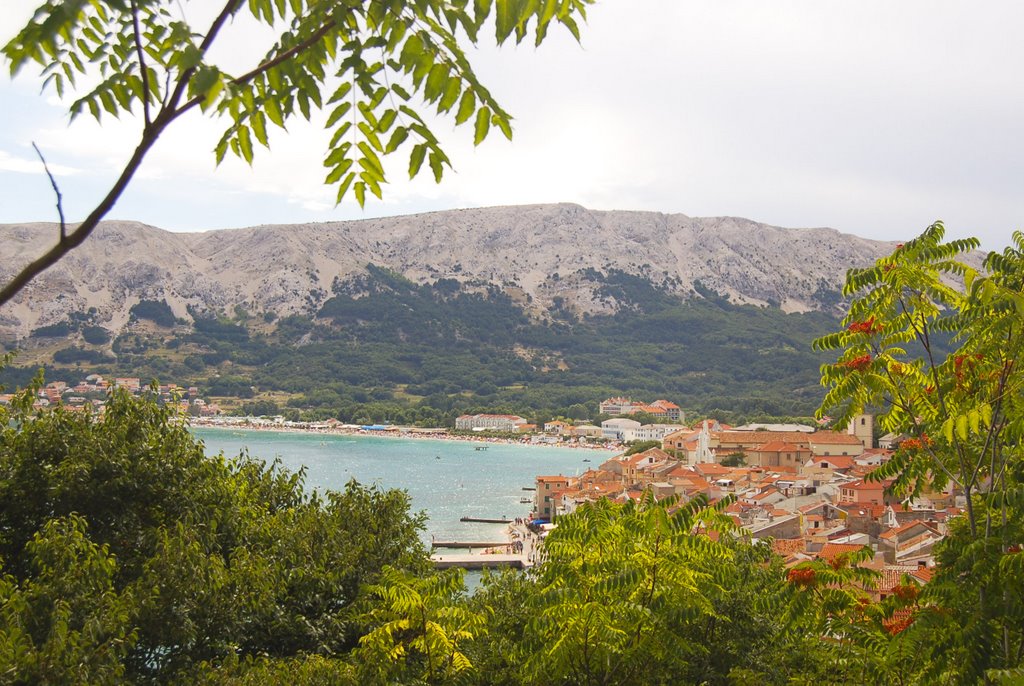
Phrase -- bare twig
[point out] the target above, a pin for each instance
(60, 198)
(168, 113)
(75, 238)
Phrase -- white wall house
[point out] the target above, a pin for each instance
(493, 422)
(619, 429)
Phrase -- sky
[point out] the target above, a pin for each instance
(874, 118)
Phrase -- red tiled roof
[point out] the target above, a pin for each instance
(861, 485)
(892, 576)
(892, 533)
(780, 446)
(925, 574)
(754, 438)
(833, 437)
(787, 546)
(706, 468)
(830, 551)
(837, 461)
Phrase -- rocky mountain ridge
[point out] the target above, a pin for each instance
(544, 255)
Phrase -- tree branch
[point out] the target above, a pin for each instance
(60, 198)
(269, 64)
(75, 238)
(144, 72)
(151, 132)
(211, 34)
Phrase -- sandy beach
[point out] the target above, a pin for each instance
(405, 432)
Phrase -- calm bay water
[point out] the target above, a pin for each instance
(447, 479)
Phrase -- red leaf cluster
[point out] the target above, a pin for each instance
(801, 577)
(906, 593)
(859, 364)
(965, 364)
(868, 326)
(916, 443)
(895, 626)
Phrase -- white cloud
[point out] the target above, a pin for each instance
(864, 116)
(21, 165)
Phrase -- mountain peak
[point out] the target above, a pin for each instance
(557, 253)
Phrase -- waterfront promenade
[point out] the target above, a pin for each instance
(490, 557)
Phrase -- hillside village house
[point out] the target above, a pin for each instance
(493, 422)
(625, 406)
(557, 427)
(548, 495)
(619, 429)
(622, 429)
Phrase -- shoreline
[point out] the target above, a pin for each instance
(393, 433)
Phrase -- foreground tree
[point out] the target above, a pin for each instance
(375, 66)
(964, 418)
(127, 554)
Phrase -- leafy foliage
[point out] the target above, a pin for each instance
(964, 416)
(362, 63)
(617, 584)
(58, 330)
(130, 555)
(156, 311)
(418, 627)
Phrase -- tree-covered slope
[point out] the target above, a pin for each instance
(449, 347)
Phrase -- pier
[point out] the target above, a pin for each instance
(486, 520)
(479, 561)
(470, 544)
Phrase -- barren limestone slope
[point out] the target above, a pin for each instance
(542, 250)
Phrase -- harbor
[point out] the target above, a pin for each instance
(518, 552)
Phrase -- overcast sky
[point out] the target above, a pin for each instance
(875, 118)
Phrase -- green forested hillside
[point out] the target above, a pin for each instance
(427, 352)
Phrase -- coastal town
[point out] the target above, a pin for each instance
(802, 488)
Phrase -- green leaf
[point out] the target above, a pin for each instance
(397, 138)
(245, 143)
(483, 125)
(337, 113)
(503, 124)
(437, 167)
(451, 94)
(338, 172)
(259, 128)
(466, 107)
(343, 188)
(273, 109)
(386, 120)
(419, 151)
(435, 84)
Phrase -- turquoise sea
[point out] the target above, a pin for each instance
(446, 479)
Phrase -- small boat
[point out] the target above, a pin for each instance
(480, 447)
(524, 501)
(586, 459)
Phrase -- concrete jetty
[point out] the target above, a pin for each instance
(479, 561)
(470, 544)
